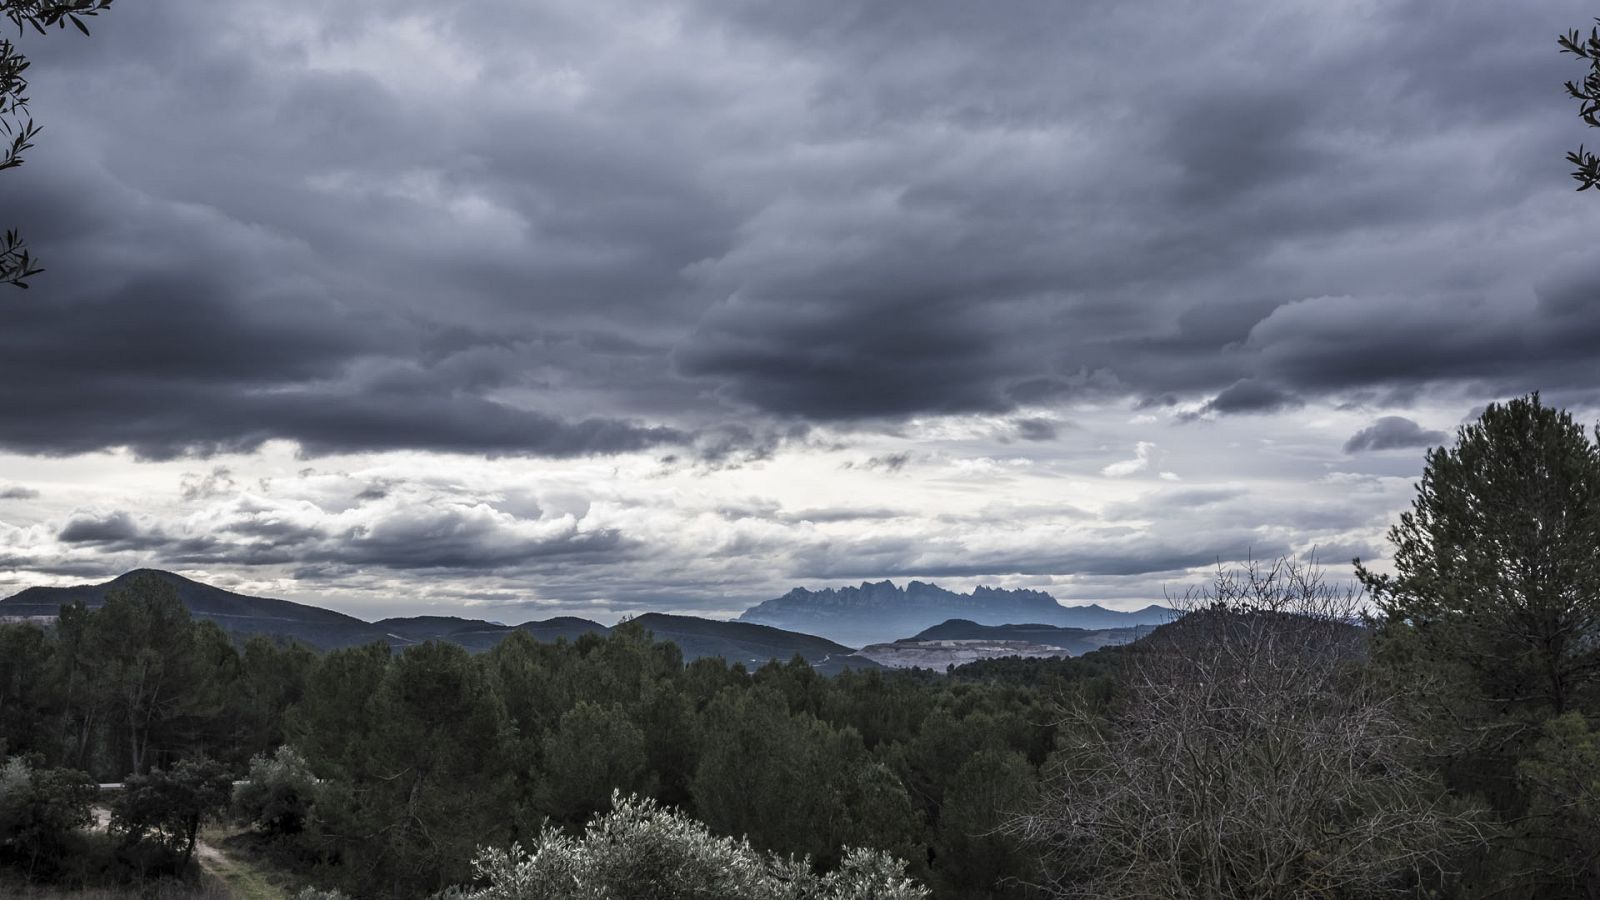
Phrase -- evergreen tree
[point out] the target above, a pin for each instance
(166, 808)
(40, 812)
(428, 782)
(977, 853)
(594, 751)
(28, 695)
(1497, 579)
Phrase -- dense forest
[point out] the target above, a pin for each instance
(1425, 731)
(383, 772)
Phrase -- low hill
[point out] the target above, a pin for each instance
(878, 612)
(741, 642)
(1076, 641)
(239, 613)
(569, 627)
(477, 635)
(940, 655)
(474, 634)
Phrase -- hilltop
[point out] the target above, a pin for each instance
(239, 613)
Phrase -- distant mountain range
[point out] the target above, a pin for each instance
(742, 642)
(818, 626)
(882, 611)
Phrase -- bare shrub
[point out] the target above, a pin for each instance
(1253, 755)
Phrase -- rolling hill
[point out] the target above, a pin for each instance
(240, 613)
(1076, 641)
(325, 629)
(741, 642)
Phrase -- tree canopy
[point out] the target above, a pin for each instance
(17, 128)
(1489, 621)
(1587, 92)
(1495, 563)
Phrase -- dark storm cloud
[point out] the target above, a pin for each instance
(458, 542)
(419, 533)
(115, 528)
(206, 349)
(1219, 204)
(888, 462)
(832, 359)
(526, 231)
(1037, 429)
(1392, 433)
(17, 492)
(1249, 396)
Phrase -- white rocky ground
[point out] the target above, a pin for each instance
(940, 654)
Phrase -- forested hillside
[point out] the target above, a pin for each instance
(404, 763)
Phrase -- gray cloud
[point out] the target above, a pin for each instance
(437, 535)
(215, 483)
(836, 215)
(888, 462)
(1037, 429)
(117, 528)
(727, 235)
(1392, 433)
(1250, 396)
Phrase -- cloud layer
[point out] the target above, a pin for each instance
(1129, 242)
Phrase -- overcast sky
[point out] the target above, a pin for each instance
(595, 306)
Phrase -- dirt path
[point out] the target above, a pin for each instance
(236, 877)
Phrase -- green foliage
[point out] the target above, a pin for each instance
(131, 685)
(988, 791)
(278, 794)
(1562, 776)
(1587, 93)
(1486, 628)
(1495, 599)
(164, 810)
(640, 851)
(341, 709)
(1495, 564)
(17, 130)
(141, 668)
(790, 782)
(39, 811)
(422, 772)
(593, 751)
(419, 757)
(271, 680)
(27, 693)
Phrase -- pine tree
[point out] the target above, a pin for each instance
(1496, 569)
